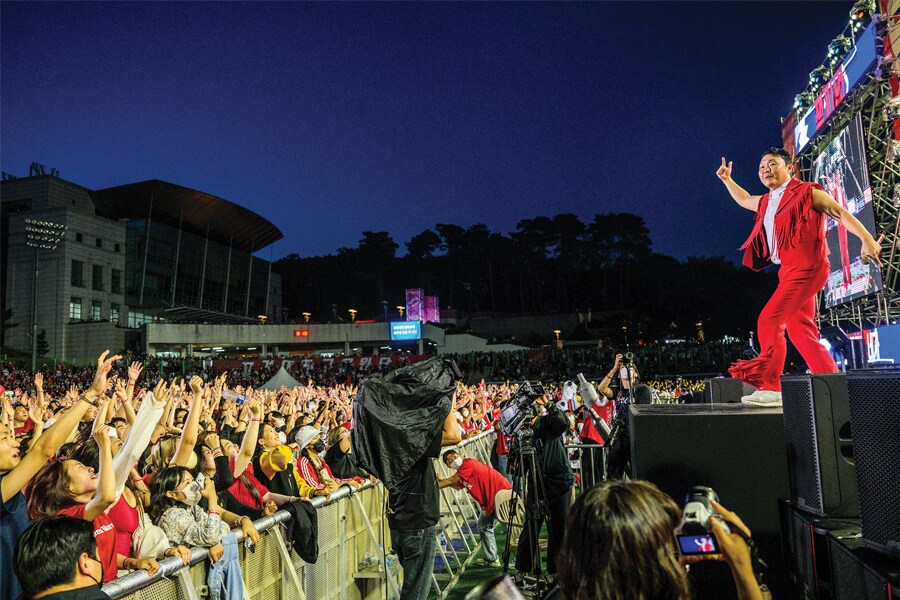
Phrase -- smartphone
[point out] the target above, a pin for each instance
(201, 480)
(692, 545)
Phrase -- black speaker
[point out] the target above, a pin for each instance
(723, 389)
(875, 415)
(806, 552)
(860, 573)
(736, 450)
(819, 444)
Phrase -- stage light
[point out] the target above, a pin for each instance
(819, 75)
(862, 10)
(803, 100)
(839, 46)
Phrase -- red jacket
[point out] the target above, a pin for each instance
(799, 229)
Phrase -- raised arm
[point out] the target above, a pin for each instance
(738, 194)
(824, 203)
(191, 425)
(105, 495)
(55, 435)
(248, 444)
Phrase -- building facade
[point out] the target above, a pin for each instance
(135, 254)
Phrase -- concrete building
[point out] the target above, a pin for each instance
(148, 252)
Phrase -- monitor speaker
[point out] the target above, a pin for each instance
(724, 389)
(858, 572)
(819, 444)
(875, 414)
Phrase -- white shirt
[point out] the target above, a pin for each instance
(769, 221)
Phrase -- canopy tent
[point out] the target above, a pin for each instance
(281, 378)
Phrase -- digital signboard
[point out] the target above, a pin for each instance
(406, 330)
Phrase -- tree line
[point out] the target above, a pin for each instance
(546, 265)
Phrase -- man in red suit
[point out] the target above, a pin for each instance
(789, 231)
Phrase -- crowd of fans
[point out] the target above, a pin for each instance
(160, 464)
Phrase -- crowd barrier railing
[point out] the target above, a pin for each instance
(590, 464)
(351, 527)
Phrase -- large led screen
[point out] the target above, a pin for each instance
(841, 170)
(406, 330)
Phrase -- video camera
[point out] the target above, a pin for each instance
(693, 534)
(518, 408)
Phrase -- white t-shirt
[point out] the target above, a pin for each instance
(769, 222)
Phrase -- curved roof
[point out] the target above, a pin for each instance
(195, 210)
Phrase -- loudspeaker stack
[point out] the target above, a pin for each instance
(842, 525)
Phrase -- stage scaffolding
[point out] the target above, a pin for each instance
(869, 100)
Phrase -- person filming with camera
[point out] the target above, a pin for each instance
(555, 489)
(621, 385)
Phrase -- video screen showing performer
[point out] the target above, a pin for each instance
(841, 170)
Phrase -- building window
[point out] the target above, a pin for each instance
(96, 310)
(99, 243)
(114, 313)
(78, 237)
(75, 309)
(116, 283)
(97, 279)
(118, 247)
(77, 273)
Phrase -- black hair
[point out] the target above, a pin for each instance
(780, 152)
(88, 454)
(46, 554)
(115, 420)
(166, 480)
(449, 452)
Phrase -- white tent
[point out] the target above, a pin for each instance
(281, 378)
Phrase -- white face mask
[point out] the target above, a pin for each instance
(282, 438)
(459, 418)
(465, 413)
(191, 493)
(456, 463)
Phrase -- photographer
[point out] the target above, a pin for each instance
(620, 544)
(618, 385)
(556, 488)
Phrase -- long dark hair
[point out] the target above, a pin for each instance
(47, 493)
(167, 480)
(620, 545)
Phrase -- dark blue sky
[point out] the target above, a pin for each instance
(331, 119)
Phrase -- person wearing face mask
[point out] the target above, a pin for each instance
(313, 468)
(490, 489)
(56, 559)
(174, 507)
(789, 230)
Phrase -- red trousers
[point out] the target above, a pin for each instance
(793, 308)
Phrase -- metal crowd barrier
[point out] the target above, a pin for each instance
(591, 454)
(351, 527)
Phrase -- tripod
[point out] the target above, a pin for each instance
(528, 483)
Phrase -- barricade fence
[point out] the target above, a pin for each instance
(351, 529)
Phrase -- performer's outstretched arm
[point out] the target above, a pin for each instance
(739, 194)
(824, 203)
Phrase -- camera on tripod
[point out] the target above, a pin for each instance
(520, 409)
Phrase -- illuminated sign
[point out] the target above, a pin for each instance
(406, 330)
(859, 61)
(301, 333)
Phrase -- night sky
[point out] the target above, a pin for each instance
(332, 119)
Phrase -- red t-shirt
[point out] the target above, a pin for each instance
(240, 491)
(105, 534)
(27, 426)
(483, 482)
(589, 430)
(125, 518)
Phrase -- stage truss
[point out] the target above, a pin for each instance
(869, 100)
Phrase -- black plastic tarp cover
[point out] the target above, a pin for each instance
(397, 416)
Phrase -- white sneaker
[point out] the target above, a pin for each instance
(763, 398)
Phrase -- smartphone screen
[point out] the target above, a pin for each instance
(697, 544)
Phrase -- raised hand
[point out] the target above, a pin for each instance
(724, 171)
(104, 365)
(100, 430)
(134, 371)
(39, 381)
(196, 384)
